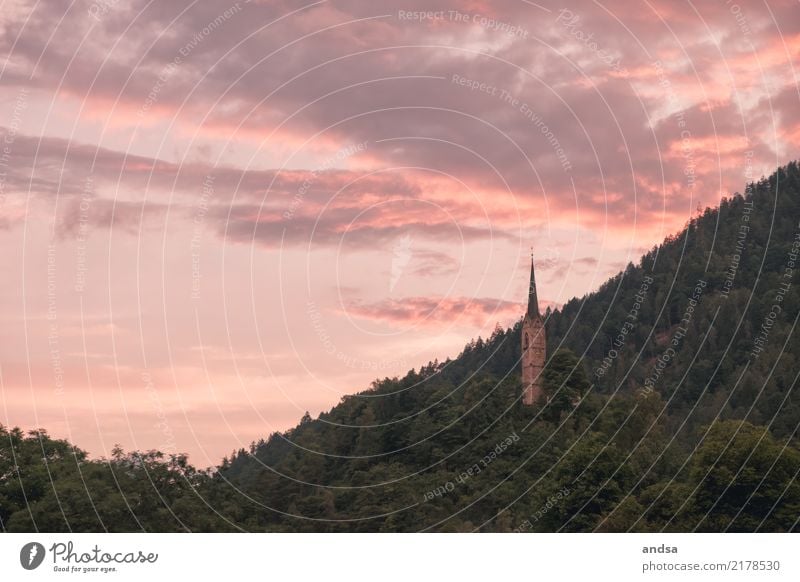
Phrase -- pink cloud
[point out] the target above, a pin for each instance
(416, 311)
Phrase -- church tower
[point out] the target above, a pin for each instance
(533, 347)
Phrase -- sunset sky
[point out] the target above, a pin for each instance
(215, 216)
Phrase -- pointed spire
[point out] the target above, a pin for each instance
(533, 300)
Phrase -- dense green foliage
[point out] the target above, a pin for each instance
(684, 421)
(49, 485)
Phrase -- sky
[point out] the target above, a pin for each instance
(215, 215)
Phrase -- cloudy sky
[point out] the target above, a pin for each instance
(215, 216)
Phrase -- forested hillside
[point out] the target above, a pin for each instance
(671, 405)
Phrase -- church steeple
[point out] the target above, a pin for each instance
(533, 300)
(534, 347)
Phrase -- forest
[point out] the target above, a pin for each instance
(671, 405)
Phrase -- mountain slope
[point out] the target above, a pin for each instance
(699, 332)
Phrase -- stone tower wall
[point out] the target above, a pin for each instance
(533, 358)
